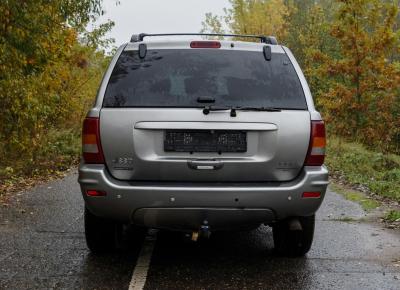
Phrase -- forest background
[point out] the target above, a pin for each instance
(51, 66)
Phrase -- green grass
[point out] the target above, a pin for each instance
(379, 172)
(392, 216)
(366, 203)
(56, 153)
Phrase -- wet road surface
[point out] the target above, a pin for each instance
(42, 245)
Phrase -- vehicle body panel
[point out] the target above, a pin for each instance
(272, 155)
(124, 198)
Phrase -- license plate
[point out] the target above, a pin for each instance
(205, 141)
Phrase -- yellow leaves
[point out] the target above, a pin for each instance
(277, 13)
(30, 61)
(71, 37)
(55, 97)
(317, 56)
(41, 86)
(358, 83)
(265, 17)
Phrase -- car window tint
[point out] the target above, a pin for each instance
(176, 78)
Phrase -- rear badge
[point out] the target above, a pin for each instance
(123, 163)
(286, 165)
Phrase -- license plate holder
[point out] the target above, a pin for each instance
(205, 141)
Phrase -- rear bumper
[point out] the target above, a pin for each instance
(185, 205)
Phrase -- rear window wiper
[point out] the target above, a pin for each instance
(208, 109)
(233, 109)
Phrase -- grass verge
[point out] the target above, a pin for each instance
(57, 153)
(357, 165)
(393, 216)
(367, 203)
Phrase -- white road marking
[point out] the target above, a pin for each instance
(139, 275)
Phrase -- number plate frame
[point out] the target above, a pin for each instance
(218, 141)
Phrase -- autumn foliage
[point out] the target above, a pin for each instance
(50, 67)
(349, 50)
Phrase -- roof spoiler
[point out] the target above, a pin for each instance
(263, 39)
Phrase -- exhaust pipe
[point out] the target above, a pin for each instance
(295, 225)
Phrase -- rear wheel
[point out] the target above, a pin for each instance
(294, 241)
(101, 234)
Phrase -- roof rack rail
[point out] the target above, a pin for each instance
(263, 39)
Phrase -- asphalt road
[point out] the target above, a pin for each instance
(42, 245)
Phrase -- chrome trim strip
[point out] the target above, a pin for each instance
(206, 126)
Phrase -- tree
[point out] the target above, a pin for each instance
(363, 96)
(309, 39)
(49, 69)
(264, 17)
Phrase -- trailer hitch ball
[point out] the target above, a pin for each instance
(204, 232)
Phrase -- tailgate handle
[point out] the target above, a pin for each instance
(205, 164)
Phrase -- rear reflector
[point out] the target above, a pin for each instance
(91, 147)
(316, 150)
(205, 44)
(311, 195)
(95, 193)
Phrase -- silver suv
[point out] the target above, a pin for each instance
(200, 136)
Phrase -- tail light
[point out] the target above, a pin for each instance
(91, 146)
(316, 150)
(205, 44)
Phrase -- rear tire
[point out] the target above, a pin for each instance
(294, 243)
(101, 234)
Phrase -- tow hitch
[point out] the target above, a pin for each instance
(203, 232)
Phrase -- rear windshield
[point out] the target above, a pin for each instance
(177, 78)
